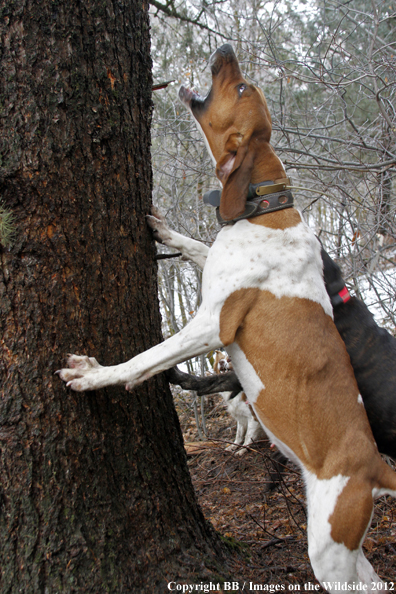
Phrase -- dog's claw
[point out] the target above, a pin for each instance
(84, 369)
(160, 229)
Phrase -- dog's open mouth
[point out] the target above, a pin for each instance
(190, 98)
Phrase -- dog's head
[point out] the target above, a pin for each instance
(236, 123)
(222, 363)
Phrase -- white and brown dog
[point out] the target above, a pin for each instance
(264, 299)
(249, 428)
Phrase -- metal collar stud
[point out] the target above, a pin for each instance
(276, 195)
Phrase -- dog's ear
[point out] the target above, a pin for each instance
(234, 171)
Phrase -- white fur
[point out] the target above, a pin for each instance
(283, 262)
(249, 429)
(243, 256)
(190, 248)
(245, 372)
(333, 563)
(380, 492)
(286, 263)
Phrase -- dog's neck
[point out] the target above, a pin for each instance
(267, 165)
(282, 219)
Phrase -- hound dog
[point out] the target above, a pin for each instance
(264, 299)
(372, 351)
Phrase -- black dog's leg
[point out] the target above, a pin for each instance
(225, 382)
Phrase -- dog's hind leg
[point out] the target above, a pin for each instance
(339, 514)
(199, 336)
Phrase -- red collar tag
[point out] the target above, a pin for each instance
(344, 294)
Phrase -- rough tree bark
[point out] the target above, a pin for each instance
(95, 494)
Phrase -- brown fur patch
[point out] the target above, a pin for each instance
(352, 513)
(310, 400)
(234, 312)
(282, 219)
(238, 130)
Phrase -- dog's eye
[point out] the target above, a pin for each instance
(241, 88)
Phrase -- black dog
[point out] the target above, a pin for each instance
(373, 356)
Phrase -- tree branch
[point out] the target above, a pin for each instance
(169, 10)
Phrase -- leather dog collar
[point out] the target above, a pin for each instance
(262, 198)
(268, 187)
(261, 205)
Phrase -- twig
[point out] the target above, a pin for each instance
(167, 256)
(276, 540)
(162, 85)
(263, 528)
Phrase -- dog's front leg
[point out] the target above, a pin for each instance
(199, 336)
(190, 248)
(239, 437)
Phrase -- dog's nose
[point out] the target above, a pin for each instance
(226, 49)
(223, 51)
(222, 55)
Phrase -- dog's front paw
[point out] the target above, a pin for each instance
(161, 231)
(82, 373)
(241, 452)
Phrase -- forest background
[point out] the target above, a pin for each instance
(328, 72)
(95, 491)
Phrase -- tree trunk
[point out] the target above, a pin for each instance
(95, 494)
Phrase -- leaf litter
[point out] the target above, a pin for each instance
(262, 518)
